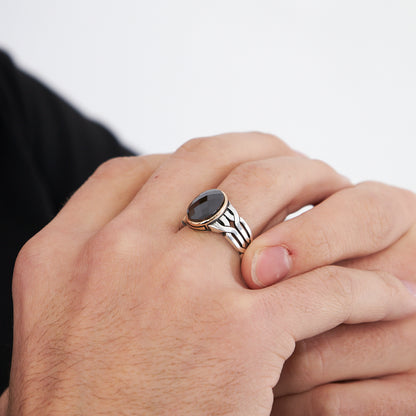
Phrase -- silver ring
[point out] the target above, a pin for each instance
(212, 211)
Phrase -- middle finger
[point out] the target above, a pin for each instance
(273, 187)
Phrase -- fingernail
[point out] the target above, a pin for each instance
(411, 286)
(270, 265)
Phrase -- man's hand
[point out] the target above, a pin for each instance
(117, 311)
(380, 357)
(368, 227)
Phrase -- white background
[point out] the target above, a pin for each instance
(336, 79)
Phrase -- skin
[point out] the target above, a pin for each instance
(371, 226)
(125, 313)
(376, 361)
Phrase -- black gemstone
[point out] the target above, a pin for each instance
(205, 205)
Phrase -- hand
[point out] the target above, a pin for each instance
(119, 312)
(380, 356)
(384, 352)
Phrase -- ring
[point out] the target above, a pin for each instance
(212, 211)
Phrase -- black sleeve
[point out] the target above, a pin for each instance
(65, 146)
(48, 149)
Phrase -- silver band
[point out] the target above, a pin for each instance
(234, 228)
(222, 219)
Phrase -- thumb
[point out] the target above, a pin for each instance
(266, 266)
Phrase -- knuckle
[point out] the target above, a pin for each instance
(25, 261)
(233, 312)
(407, 196)
(325, 401)
(383, 206)
(340, 285)
(372, 185)
(319, 241)
(198, 147)
(254, 174)
(114, 167)
(403, 332)
(391, 284)
(111, 245)
(266, 135)
(29, 261)
(311, 362)
(138, 167)
(242, 309)
(275, 140)
(328, 171)
(266, 308)
(379, 225)
(380, 334)
(28, 251)
(412, 197)
(322, 165)
(412, 237)
(192, 145)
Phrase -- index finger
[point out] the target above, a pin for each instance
(353, 222)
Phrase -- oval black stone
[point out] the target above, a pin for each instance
(205, 205)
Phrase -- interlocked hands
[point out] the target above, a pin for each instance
(118, 311)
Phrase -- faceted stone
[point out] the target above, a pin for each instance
(205, 205)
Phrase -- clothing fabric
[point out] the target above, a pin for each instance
(48, 149)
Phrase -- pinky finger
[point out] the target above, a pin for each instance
(393, 395)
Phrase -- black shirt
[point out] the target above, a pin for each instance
(48, 149)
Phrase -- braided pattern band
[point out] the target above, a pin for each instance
(234, 228)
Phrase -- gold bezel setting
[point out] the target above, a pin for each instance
(203, 225)
(225, 219)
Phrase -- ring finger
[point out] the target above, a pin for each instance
(273, 187)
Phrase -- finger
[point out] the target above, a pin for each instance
(388, 396)
(398, 259)
(263, 189)
(109, 189)
(354, 222)
(275, 187)
(97, 202)
(367, 351)
(198, 165)
(107, 192)
(318, 301)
